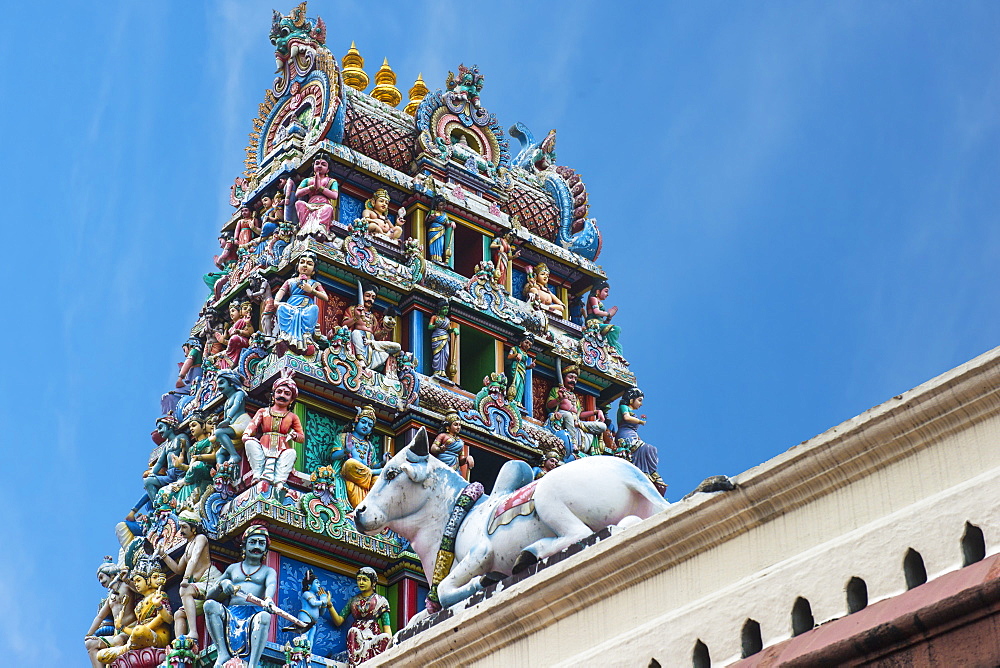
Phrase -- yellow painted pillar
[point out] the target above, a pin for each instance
(498, 356)
(419, 233)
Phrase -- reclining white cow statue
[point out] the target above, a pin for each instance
(523, 521)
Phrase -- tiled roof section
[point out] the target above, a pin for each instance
(536, 208)
(379, 138)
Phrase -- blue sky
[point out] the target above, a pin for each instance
(799, 203)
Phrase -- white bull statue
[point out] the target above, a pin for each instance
(480, 538)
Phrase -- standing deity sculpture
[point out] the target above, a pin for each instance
(448, 446)
(564, 405)
(230, 428)
(519, 360)
(314, 202)
(269, 435)
(536, 291)
(443, 337)
(440, 232)
(166, 468)
(360, 319)
(642, 454)
(314, 601)
(503, 250)
(376, 216)
(297, 312)
(599, 317)
(152, 617)
(239, 625)
(113, 613)
(354, 458)
(246, 229)
(198, 575)
(370, 634)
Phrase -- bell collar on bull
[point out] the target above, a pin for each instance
(446, 552)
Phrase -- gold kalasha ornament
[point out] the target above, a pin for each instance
(417, 94)
(385, 85)
(354, 73)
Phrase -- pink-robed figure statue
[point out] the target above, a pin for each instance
(314, 202)
(268, 438)
(370, 634)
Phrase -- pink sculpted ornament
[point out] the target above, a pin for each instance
(314, 202)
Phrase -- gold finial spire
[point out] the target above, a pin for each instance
(385, 85)
(354, 73)
(417, 93)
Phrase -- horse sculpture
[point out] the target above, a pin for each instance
(466, 540)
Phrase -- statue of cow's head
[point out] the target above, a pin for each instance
(404, 487)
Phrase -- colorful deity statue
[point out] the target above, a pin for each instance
(366, 336)
(236, 337)
(259, 290)
(376, 216)
(502, 251)
(443, 335)
(235, 420)
(246, 229)
(152, 617)
(269, 436)
(354, 458)
(188, 491)
(187, 376)
(166, 468)
(238, 625)
(297, 311)
(536, 291)
(314, 202)
(599, 318)
(198, 575)
(564, 404)
(440, 232)
(227, 242)
(550, 460)
(642, 454)
(448, 446)
(314, 601)
(370, 634)
(519, 360)
(113, 612)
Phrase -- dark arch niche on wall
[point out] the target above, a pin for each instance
(857, 595)
(700, 657)
(913, 569)
(973, 544)
(750, 639)
(802, 617)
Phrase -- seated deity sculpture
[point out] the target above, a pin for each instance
(564, 404)
(152, 617)
(366, 336)
(536, 291)
(237, 624)
(376, 215)
(269, 435)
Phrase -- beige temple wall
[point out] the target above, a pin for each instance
(848, 503)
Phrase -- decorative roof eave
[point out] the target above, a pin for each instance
(376, 107)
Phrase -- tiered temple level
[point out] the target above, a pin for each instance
(386, 270)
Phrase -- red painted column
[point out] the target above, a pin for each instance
(274, 561)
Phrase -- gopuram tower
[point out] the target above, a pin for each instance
(393, 268)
